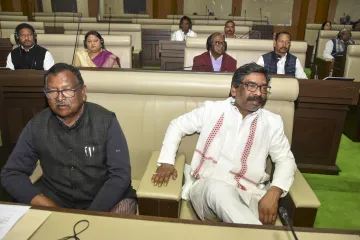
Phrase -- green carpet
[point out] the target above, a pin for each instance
(339, 195)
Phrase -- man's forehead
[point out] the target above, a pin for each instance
(62, 77)
(230, 24)
(218, 37)
(255, 77)
(25, 30)
(284, 36)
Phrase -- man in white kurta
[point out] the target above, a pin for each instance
(184, 31)
(227, 178)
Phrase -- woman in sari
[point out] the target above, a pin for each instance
(95, 54)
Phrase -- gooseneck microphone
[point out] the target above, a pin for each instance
(234, 13)
(109, 20)
(77, 38)
(283, 213)
(245, 15)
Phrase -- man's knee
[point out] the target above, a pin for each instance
(221, 193)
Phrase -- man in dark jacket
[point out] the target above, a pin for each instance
(82, 151)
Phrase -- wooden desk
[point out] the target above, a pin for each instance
(150, 46)
(339, 66)
(112, 226)
(172, 54)
(320, 113)
(324, 68)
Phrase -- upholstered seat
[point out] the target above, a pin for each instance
(8, 27)
(145, 103)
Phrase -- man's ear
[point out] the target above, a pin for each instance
(274, 43)
(233, 91)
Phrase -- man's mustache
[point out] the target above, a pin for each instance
(62, 104)
(255, 98)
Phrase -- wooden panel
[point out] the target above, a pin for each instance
(93, 7)
(158, 207)
(236, 7)
(5, 49)
(7, 6)
(150, 46)
(311, 11)
(180, 7)
(320, 114)
(150, 7)
(352, 123)
(322, 10)
(295, 20)
(162, 8)
(332, 10)
(172, 55)
(302, 20)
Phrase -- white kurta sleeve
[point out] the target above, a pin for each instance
(260, 61)
(173, 36)
(299, 70)
(281, 155)
(9, 63)
(48, 61)
(186, 124)
(328, 50)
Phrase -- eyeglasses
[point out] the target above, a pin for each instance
(252, 87)
(66, 93)
(26, 35)
(217, 43)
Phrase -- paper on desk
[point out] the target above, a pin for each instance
(28, 224)
(9, 215)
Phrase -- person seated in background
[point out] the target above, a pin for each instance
(82, 151)
(281, 61)
(356, 26)
(215, 58)
(326, 25)
(184, 31)
(28, 55)
(337, 46)
(227, 178)
(95, 53)
(229, 29)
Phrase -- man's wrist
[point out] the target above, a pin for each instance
(276, 190)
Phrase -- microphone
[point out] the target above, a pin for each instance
(283, 213)
(73, 7)
(105, 10)
(234, 13)
(207, 15)
(109, 20)
(316, 75)
(55, 20)
(245, 15)
(77, 38)
(201, 65)
(260, 16)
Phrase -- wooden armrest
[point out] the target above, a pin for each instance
(301, 203)
(172, 191)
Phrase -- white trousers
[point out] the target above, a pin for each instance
(214, 199)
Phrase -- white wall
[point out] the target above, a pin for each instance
(349, 7)
(219, 7)
(278, 11)
(82, 6)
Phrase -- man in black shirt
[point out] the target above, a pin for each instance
(82, 151)
(28, 55)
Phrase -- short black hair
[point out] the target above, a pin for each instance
(324, 23)
(60, 67)
(277, 35)
(245, 70)
(230, 21)
(186, 18)
(96, 34)
(22, 26)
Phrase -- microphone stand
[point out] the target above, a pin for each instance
(109, 20)
(283, 213)
(76, 39)
(55, 21)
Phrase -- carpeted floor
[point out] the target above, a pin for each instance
(339, 195)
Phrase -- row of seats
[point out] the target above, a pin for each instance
(205, 17)
(243, 50)
(149, 111)
(312, 31)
